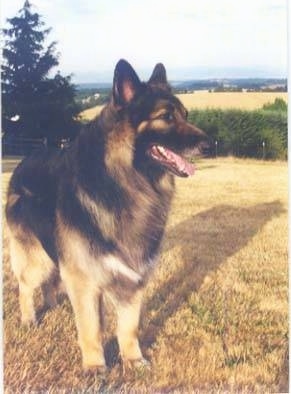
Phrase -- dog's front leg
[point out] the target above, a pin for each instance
(85, 300)
(128, 316)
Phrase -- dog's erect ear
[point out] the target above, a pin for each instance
(126, 83)
(159, 77)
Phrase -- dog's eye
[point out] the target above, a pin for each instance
(167, 116)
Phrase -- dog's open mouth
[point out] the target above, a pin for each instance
(172, 161)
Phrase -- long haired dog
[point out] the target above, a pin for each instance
(94, 214)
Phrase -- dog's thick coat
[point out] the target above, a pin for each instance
(94, 214)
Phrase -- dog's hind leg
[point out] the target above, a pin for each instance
(26, 303)
(31, 266)
(49, 291)
(19, 259)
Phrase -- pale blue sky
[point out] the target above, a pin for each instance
(203, 35)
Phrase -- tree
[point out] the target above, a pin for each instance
(42, 106)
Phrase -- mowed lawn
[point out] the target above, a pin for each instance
(204, 99)
(215, 314)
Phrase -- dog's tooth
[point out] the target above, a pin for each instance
(161, 149)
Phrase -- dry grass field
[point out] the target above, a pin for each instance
(238, 100)
(203, 99)
(215, 314)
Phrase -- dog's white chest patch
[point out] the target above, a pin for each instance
(117, 267)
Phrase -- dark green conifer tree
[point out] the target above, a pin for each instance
(44, 106)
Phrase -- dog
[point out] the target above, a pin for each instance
(93, 215)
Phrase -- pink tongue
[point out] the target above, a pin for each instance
(181, 164)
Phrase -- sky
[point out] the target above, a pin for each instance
(193, 38)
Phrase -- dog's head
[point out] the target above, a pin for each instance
(159, 120)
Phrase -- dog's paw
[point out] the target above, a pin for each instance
(96, 370)
(138, 365)
(28, 322)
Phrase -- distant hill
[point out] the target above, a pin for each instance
(256, 84)
(94, 85)
(230, 84)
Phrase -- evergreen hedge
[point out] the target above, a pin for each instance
(242, 133)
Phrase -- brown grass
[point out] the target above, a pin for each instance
(203, 99)
(216, 313)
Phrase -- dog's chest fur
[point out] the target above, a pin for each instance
(125, 218)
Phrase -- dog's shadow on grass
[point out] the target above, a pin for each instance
(206, 241)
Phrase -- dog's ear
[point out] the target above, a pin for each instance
(159, 77)
(126, 83)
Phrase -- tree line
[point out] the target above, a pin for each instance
(261, 133)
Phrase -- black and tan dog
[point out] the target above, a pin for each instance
(94, 214)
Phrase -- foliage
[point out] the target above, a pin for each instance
(242, 133)
(278, 105)
(221, 88)
(44, 106)
(274, 147)
(89, 98)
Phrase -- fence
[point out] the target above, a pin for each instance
(21, 146)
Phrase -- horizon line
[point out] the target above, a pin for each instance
(211, 78)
